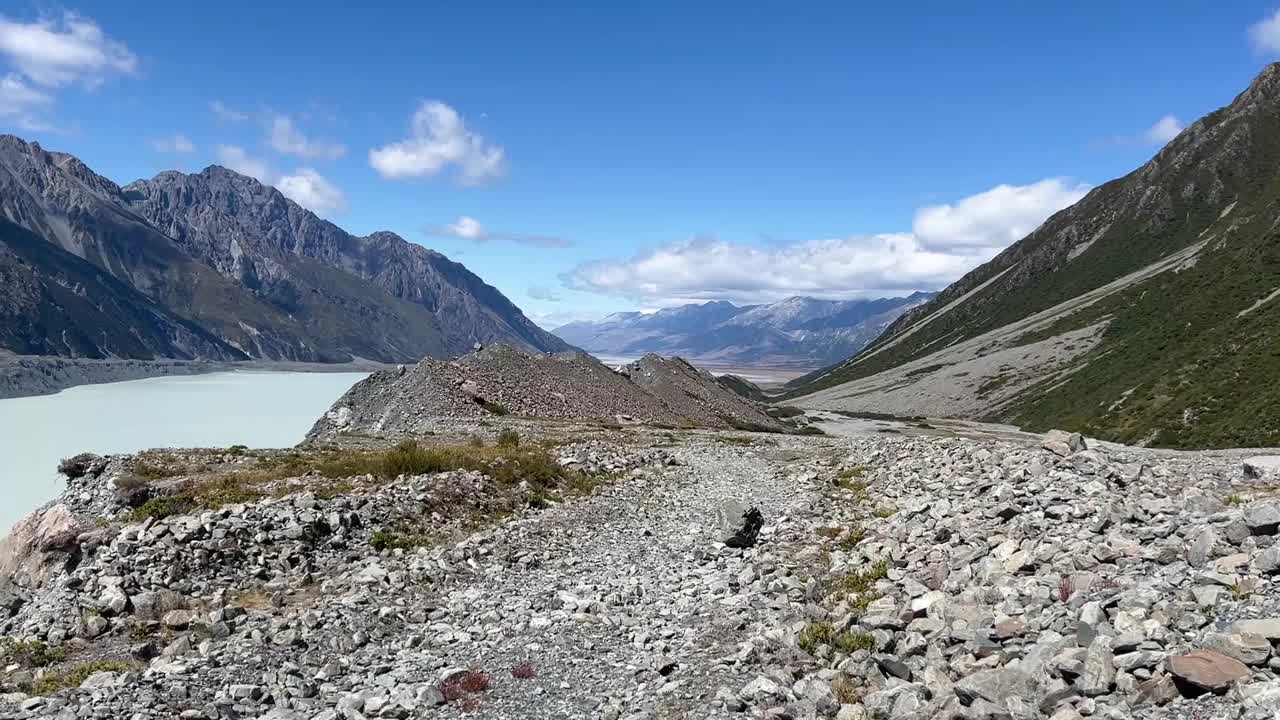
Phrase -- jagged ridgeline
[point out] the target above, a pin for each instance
(218, 266)
(1148, 312)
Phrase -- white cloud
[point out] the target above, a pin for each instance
(305, 186)
(235, 158)
(311, 190)
(44, 55)
(19, 102)
(176, 143)
(948, 241)
(1165, 129)
(468, 228)
(711, 269)
(439, 138)
(285, 138)
(1264, 35)
(220, 109)
(65, 50)
(995, 218)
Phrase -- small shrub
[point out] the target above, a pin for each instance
(859, 587)
(850, 473)
(851, 479)
(238, 450)
(76, 466)
(846, 691)
(852, 538)
(815, 635)
(1066, 588)
(397, 540)
(152, 469)
(494, 408)
(131, 482)
(859, 602)
(1233, 499)
(523, 670)
(52, 682)
(30, 653)
(458, 687)
(226, 490)
(163, 506)
(885, 512)
(508, 439)
(851, 642)
(1242, 589)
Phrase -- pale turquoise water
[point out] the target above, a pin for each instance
(258, 409)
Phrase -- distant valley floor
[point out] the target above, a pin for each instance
(767, 376)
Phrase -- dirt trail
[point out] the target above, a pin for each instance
(621, 601)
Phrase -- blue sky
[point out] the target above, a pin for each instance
(590, 159)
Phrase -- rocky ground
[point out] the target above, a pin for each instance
(500, 380)
(890, 577)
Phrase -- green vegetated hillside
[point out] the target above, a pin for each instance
(1184, 361)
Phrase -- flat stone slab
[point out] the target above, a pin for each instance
(1208, 671)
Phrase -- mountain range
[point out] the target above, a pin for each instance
(796, 332)
(216, 265)
(1148, 312)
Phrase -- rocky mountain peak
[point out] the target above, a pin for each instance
(1265, 88)
(240, 260)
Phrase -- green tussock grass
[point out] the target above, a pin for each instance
(53, 681)
(30, 653)
(330, 472)
(859, 588)
(817, 634)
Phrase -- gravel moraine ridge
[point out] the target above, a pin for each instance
(894, 577)
(498, 380)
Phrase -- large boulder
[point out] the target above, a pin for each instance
(1262, 518)
(1262, 467)
(1248, 648)
(997, 686)
(1060, 442)
(38, 547)
(1202, 671)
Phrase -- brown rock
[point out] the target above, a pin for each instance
(1203, 671)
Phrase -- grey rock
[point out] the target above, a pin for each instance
(1262, 518)
(1248, 648)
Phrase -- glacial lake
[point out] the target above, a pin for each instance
(254, 408)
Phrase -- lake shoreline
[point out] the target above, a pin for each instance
(36, 375)
(259, 407)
